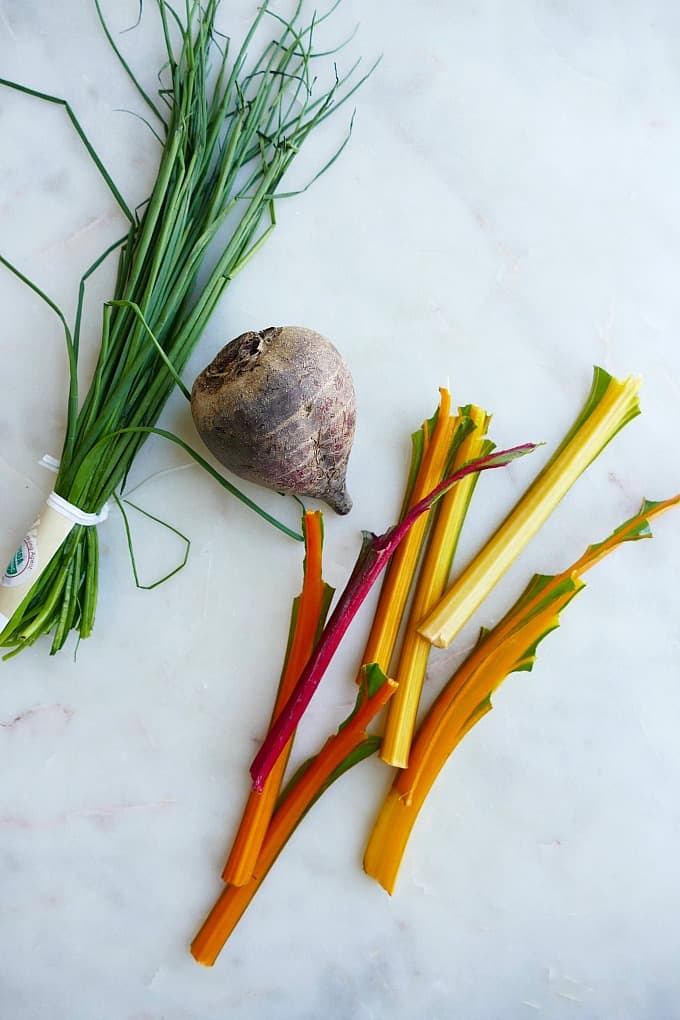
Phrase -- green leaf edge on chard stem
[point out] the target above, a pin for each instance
(372, 679)
(572, 583)
(599, 386)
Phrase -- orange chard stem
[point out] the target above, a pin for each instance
(399, 576)
(311, 783)
(446, 722)
(309, 610)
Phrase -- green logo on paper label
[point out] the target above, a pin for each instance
(23, 563)
(17, 564)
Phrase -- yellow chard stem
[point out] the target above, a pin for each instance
(432, 581)
(611, 405)
(399, 812)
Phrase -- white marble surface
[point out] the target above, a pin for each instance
(506, 215)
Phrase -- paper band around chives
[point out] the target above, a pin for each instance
(74, 513)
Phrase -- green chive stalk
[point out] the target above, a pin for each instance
(228, 135)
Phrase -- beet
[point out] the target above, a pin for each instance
(278, 407)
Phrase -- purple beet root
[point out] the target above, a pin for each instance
(278, 407)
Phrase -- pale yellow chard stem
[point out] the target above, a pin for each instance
(611, 405)
(432, 581)
(509, 647)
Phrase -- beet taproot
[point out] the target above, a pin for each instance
(278, 407)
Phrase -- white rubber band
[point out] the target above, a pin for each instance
(49, 462)
(74, 513)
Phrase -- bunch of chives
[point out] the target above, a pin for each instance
(228, 137)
